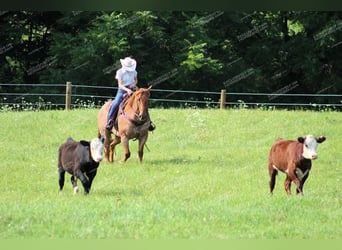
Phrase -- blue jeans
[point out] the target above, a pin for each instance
(115, 104)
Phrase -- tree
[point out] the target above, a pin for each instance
(260, 51)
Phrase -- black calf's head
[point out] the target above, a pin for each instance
(96, 149)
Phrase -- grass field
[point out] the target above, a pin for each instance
(205, 177)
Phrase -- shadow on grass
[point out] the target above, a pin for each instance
(118, 193)
(172, 161)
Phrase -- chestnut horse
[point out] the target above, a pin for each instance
(133, 122)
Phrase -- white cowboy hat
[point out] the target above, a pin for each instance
(128, 64)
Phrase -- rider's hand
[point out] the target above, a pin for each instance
(129, 92)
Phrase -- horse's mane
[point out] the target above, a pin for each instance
(132, 97)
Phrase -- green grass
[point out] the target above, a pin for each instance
(205, 177)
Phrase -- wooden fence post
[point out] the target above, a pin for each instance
(223, 99)
(68, 95)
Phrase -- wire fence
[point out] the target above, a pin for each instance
(53, 96)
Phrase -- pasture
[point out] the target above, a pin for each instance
(205, 177)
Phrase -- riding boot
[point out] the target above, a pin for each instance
(109, 124)
(113, 111)
(152, 126)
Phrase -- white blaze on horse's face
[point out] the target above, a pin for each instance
(96, 149)
(142, 102)
(310, 144)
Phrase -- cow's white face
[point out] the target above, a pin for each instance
(310, 144)
(96, 149)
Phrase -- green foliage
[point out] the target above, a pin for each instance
(207, 49)
(204, 177)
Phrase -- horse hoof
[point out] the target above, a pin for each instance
(75, 190)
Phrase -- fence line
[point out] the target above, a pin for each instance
(81, 95)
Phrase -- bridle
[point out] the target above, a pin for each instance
(137, 122)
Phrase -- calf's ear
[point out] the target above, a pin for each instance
(301, 139)
(320, 139)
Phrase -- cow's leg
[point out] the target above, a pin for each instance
(302, 184)
(273, 173)
(83, 179)
(287, 185)
(293, 177)
(61, 173)
(73, 180)
(91, 175)
(124, 142)
(115, 142)
(142, 141)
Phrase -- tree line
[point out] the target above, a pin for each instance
(261, 51)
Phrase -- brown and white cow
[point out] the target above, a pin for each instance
(80, 159)
(293, 157)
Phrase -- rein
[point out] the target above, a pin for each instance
(134, 122)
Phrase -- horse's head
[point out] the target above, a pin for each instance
(140, 102)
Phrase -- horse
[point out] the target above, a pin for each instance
(133, 122)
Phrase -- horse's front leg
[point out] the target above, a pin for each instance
(142, 141)
(124, 142)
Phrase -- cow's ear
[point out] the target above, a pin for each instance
(301, 139)
(320, 139)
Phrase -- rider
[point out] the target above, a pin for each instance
(127, 83)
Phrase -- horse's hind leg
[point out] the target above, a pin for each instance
(112, 145)
(107, 143)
